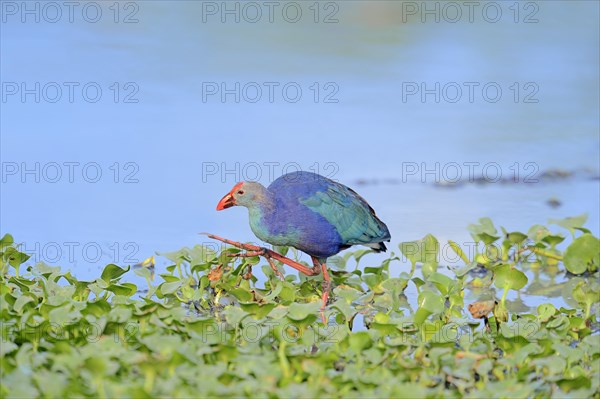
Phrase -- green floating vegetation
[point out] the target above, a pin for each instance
(207, 327)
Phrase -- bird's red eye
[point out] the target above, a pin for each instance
(240, 192)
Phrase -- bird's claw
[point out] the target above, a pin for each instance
(251, 251)
(264, 253)
(249, 254)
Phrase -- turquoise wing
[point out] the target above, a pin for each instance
(353, 218)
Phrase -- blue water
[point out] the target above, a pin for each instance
(168, 146)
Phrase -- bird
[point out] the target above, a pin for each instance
(309, 212)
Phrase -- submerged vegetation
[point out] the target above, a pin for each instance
(207, 327)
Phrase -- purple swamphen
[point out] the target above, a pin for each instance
(308, 212)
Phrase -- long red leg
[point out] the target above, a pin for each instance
(267, 253)
(326, 286)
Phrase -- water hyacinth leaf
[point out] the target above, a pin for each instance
(20, 303)
(463, 270)
(251, 261)
(442, 333)
(6, 241)
(171, 269)
(373, 281)
(126, 289)
(7, 347)
(287, 293)
(553, 240)
(169, 278)
(395, 284)
(583, 254)
(42, 269)
(143, 272)
(572, 355)
(382, 323)
(570, 223)
(112, 272)
(119, 314)
(580, 385)
(336, 263)
(516, 237)
(486, 238)
(243, 295)
(552, 365)
(519, 328)
(202, 325)
(485, 225)
(169, 288)
(442, 282)
(344, 308)
(546, 311)
(97, 308)
(507, 276)
(176, 256)
(373, 270)
(418, 282)
(431, 301)
(423, 251)
(587, 294)
(359, 340)
(493, 253)
(280, 249)
(483, 231)
(202, 254)
(428, 268)
(458, 250)
(97, 365)
(259, 311)
(234, 315)
(537, 232)
(23, 283)
(200, 267)
(301, 311)
(14, 257)
(63, 315)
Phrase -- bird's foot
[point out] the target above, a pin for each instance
(318, 267)
(253, 250)
(264, 252)
(325, 299)
(249, 254)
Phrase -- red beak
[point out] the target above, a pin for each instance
(226, 202)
